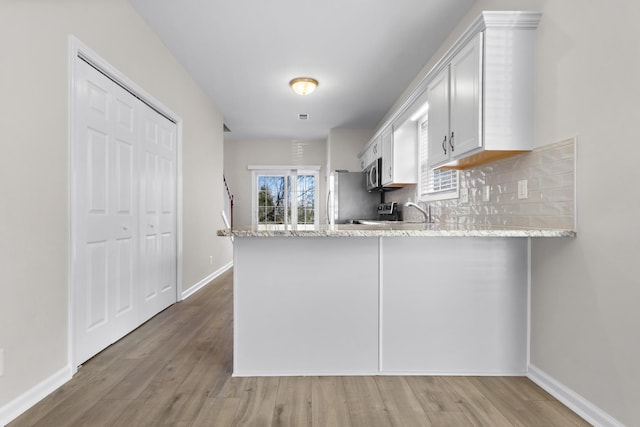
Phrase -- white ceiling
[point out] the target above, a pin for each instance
(243, 53)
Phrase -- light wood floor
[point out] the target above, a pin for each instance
(176, 370)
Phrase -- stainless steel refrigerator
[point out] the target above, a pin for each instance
(348, 198)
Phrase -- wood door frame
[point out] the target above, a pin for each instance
(78, 51)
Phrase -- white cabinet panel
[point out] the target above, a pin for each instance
(372, 152)
(305, 306)
(400, 155)
(446, 307)
(438, 130)
(466, 104)
(455, 106)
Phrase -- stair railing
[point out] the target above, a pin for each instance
(229, 204)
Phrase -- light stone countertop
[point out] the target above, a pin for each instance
(401, 229)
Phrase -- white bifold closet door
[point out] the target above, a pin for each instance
(157, 213)
(123, 212)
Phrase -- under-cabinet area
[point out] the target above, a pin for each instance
(380, 305)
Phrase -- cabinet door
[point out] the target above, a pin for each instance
(387, 156)
(375, 149)
(438, 133)
(362, 160)
(465, 85)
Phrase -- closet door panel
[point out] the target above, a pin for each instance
(104, 215)
(125, 258)
(167, 158)
(124, 193)
(158, 174)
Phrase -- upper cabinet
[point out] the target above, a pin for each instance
(455, 106)
(399, 153)
(371, 152)
(481, 98)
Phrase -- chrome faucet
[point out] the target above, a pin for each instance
(426, 212)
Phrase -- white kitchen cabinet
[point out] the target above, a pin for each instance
(438, 129)
(446, 309)
(371, 152)
(455, 106)
(399, 155)
(465, 99)
(481, 95)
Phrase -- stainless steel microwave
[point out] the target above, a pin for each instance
(373, 173)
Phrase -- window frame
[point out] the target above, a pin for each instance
(285, 171)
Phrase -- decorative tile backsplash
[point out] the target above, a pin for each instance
(550, 175)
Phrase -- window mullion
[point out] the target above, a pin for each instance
(294, 197)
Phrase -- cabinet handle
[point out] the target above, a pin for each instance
(451, 141)
(444, 144)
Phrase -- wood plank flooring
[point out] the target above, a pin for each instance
(175, 370)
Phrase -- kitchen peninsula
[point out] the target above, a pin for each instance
(411, 298)
(382, 299)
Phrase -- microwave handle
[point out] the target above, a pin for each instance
(373, 177)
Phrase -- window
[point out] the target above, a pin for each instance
(435, 184)
(285, 199)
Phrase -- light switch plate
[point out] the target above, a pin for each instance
(486, 193)
(1, 362)
(523, 192)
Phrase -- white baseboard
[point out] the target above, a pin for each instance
(202, 283)
(20, 404)
(578, 404)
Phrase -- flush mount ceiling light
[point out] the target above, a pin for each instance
(303, 85)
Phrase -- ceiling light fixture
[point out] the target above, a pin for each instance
(303, 85)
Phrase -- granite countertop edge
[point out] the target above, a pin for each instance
(417, 231)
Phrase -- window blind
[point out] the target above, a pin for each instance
(435, 181)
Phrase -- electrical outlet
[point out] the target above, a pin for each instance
(1, 362)
(486, 193)
(523, 192)
(464, 195)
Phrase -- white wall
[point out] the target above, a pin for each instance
(34, 220)
(586, 291)
(343, 147)
(239, 154)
